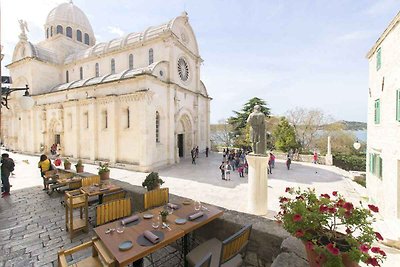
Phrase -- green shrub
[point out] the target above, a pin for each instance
(350, 162)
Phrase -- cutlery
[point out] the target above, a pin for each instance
(167, 226)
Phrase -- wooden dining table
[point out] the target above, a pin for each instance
(131, 233)
(99, 190)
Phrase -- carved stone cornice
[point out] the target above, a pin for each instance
(86, 102)
(137, 96)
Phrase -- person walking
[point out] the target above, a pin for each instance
(193, 154)
(240, 170)
(207, 149)
(197, 151)
(288, 161)
(315, 157)
(228, 169)
(269, 169)
(222, 169)
(272, 157)
(7, 167)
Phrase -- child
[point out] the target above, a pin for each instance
(240, 170)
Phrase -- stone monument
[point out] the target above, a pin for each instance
(258, 161)
(328, 157)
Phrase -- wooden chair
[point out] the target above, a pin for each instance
(100, 255)
(156, 198)
(76, 200)
(91, 180)
(114, 196)
(225, 253)
(113, 210)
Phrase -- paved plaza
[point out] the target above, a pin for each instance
(32, 223)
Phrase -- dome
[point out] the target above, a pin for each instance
(68, 15)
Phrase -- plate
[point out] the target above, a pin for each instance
(147, 216)
(186, 202)
(180, 221)
(125, 245)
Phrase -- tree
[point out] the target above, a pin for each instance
(341, 140)
(221, 133)
(307, 124)
(239, 120)
(285, 136)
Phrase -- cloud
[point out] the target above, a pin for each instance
(115, 30)
(355, 36)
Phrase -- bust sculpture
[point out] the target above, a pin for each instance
(257, 127)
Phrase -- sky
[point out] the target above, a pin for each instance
(292, 53)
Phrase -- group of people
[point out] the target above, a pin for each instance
(233, 160)
(195, 153)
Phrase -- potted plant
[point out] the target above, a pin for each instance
(79, 166)
(333, 230)
(67, 164)
(152, 181)
(104, 171)
(164, 214)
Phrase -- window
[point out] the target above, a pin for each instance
(375, 165)
(81, 73)
(128, 124)
(398, 105)
(378, 59)
(47, 33)
(96, 67)
(59, 29)
(86, 115)
(105, 121)
(112, 66)
(67, 77)
(68, 31)
(86, 38)
(51, 31)
(79, 35)
(377, 111)
(130, 61)
(151, 56)
(157, 127)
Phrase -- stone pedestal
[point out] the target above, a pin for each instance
(328, 157)
(258, 184)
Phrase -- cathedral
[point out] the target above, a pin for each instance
(136, 102)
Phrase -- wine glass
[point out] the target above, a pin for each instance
(120, 229)
(155, 223)
(170, 210)
(197, 205)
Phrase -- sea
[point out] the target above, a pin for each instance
(361, 135)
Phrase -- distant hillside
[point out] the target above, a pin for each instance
(352, 125)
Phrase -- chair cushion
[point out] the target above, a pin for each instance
(234, 262)
(198, 253)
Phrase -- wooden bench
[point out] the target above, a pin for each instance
(113, 210)
(114, 196)
(156, 198)
(98, 249)
(91, 180)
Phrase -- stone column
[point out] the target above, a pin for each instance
(258, 184)
(328, 157)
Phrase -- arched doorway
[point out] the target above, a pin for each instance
(55, 135)
(184, 136)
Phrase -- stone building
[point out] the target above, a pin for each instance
(135, 101)
(383, 147)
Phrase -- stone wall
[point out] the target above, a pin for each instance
(266, 240)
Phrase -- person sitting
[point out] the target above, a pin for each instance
(44, 165)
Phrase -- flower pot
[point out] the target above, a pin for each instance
(67, 166)
(164, 219)
(79, 169)
(317, 260)
(105, 175)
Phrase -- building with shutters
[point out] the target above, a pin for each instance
(135, 101)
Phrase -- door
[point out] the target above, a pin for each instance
(180, 145)
(57, 139)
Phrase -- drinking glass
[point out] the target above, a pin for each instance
(197, 205)
(120, 229)
(155, 223)
(170, 210)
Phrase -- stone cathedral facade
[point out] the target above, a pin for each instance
(136, 101)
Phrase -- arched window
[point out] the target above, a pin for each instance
(59, 29)
(81, 73)
(86, 38)
(96, 69)
(47, 33)
(51, 31)
(130, 61)
(69, 32)
(112, 66)
(79, 35)
(157, 127)
(151, 56)
(67, 77)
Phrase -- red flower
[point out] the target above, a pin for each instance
(347, 214)
(300, 197)
(348, 206)
(373, 208)
(287, 189)
(332, 249)
(382, 253)
(375, 249)
(283, 199)
(299, 233)
(378, 236)
(325, 196)
(323, 208)
(309, 245)
(297, 218)
(372, 261)
(348, 231)
(334, 193)
(340, 203)
(364, 248)
(332, 210)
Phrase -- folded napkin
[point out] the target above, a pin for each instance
(196, 215)
(172, 206)
(129, 219)
(151, 237)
